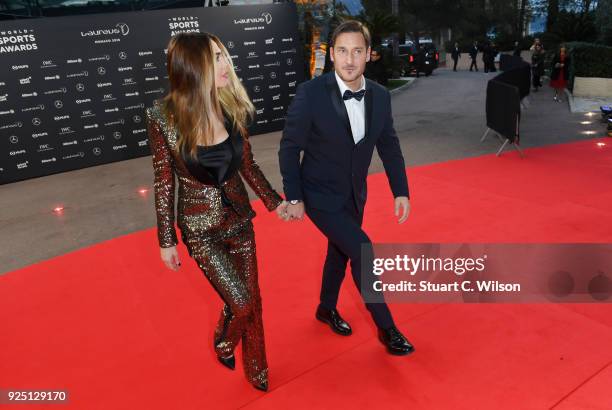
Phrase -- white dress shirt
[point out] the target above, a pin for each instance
(355, 109)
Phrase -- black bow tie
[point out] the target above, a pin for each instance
(348, 94)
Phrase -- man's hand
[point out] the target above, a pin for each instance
(403, 203)
(281, 210)
(294, 212)
(170, 258)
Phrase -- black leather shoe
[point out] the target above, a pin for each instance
(395, 342)
(263, 386)
(229, 362)
(333, 319)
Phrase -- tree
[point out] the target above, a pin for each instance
(553, 14)
(603, 19)
(523, 10)
(381, 23)
(575, 26)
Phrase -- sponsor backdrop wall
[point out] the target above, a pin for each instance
(73, 89)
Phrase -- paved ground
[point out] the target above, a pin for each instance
(582, 105)
(437, 118)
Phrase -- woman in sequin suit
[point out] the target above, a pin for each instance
(214, 213)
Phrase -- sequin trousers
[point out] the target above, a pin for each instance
(227, 257)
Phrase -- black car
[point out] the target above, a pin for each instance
(415, 60)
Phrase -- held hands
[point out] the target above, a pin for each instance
(289, 212)
(170, 258)
(403, 203)
(281, 210)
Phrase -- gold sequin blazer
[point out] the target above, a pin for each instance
(200, 206)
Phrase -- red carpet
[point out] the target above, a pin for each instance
(109, 324)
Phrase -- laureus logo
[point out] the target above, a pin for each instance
(120, 28)
(265, 18)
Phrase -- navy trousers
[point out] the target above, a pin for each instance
(344, 243)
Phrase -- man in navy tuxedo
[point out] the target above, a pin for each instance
(336, 120)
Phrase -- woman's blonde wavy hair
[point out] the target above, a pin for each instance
(194, 99)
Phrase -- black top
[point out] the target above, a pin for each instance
(216, 164)
(216, 159)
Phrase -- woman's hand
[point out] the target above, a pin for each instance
(287, 212)
(281, 210)
(170, 257)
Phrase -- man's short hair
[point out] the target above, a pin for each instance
(351, 26)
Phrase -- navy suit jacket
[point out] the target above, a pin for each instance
(333, 167)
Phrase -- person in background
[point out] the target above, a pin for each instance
(419, 59)
(517, 49)
(537, 67)
(492, 57)
(456, 55)
(473, 55)
(486, 54)
(560, 75)
(375, 68)
(536, 41)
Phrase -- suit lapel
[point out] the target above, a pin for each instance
(340, 108)
(338, 103)
(369, 99)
